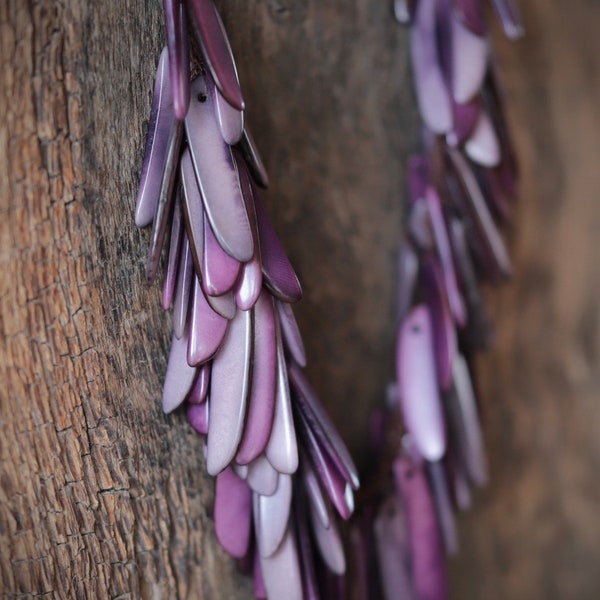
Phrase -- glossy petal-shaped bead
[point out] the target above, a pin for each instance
(291, 333)
(477, 208)
(177, 229)
(233, 513)
(271, 516)
(217, 51)
(230, 119)
(314, 494)
(223, 305)
(207, 328)
(393, 550)
(482, 146)
(261, 403)
(443, 506)
(432, 94)
(217, 176)
(444, 250)
(253, 159)
(333, 481)
(198, 415)
(249, 284)
(463, 411)
(279, 275)
(444, 330)
(428, 567)
(329, 543)
(219, 270)
(321, 425)
(180, 377)
(281, 571)
(192, 209)
(199, 392)
(262, 477)
(162, 122)
(165, 201)
(184, 290)
(282, 448)
(230, 383)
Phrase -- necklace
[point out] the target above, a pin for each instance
(237, 357)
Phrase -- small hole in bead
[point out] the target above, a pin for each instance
(201, 97)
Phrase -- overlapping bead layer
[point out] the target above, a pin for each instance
(460, 191)
(237, 356)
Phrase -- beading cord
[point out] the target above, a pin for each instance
(236, 359)
(460, 190)
(237, 355)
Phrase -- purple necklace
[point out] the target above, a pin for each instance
(237, 357)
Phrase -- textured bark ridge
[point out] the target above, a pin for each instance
(101, 495)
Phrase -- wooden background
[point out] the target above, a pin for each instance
(102, 496)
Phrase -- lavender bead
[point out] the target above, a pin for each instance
(417, 381)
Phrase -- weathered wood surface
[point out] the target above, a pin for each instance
(101, 495)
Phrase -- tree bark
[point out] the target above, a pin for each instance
(102, 495)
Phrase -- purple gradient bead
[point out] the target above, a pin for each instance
(179, 55)
(291, 333)
(261, 403)
(219, 270)
(321, 424)
(197, 416)
(184, 288)
(279, 275)
(432, 94)
(162, 122)
(262, 477)
(216, 50)
(217, 176)
(281, 571)
(199, 392)
(272, 515)
(417, 381)
(282, 448)
(444, 331)
(180, 377)
(207, 329)
(230, 381)
(471, 14)
(428, 566)
(170, 277)
(442, 243)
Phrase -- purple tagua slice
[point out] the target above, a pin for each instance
(417, 381)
